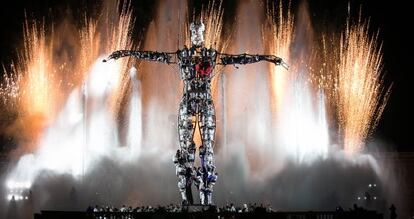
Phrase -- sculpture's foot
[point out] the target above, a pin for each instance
(184, 203)
(202, 198)
(209, 199)
(189, 195)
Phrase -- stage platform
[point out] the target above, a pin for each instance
(162, 215)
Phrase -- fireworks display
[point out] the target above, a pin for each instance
(80, 99)
(359, 92)
(36, 76)
(42, 93)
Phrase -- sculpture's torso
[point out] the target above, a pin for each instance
(196, 69)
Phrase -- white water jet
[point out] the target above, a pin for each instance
(134, 135)
(302, 132)
(85, 130)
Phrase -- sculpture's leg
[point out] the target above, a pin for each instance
(186, 128)
(207, 123)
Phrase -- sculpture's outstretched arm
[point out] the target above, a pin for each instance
(164, 57)
(243, 59)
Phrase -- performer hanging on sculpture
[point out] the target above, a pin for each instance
(196, 66)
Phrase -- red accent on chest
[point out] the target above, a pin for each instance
(204, 69)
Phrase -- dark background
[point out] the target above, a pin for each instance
(391, 18)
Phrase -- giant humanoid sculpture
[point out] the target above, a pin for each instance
(196, 68)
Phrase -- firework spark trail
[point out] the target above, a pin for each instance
(281, 34)
(109, 33)
(38, 74)
(89, 46)
(33, 74)
(322, 75)
(9, 89)
(360, 93)
(213, 19)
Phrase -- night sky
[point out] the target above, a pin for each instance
(391, 18)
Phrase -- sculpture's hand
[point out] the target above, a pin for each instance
(276, 60)
(279, 61)
(284, 65)
(115, 55)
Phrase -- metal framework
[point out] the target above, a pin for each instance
(196, 66)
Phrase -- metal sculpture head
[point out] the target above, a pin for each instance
(197, 33)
